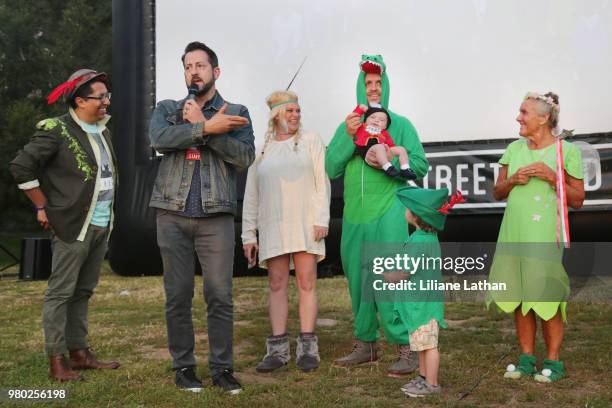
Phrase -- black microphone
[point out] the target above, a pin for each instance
(192, 91)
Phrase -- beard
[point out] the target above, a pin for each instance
(205, 88)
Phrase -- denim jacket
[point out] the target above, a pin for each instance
(220, 157)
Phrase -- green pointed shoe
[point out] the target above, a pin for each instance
(552, 371)
(526, 367)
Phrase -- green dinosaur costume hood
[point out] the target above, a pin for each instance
(372, 64)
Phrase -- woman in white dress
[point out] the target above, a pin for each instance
(285, 219)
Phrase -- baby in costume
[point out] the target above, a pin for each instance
(372, 134)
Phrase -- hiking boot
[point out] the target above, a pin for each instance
(406, 363)
(363, 352)
(421, 389)
(226, 381)
(277, 354)
(526, 366)
(185, 379)
(552, 371)
(307, 352)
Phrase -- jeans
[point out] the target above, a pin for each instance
(212, 239)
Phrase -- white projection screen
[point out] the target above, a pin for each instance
(458, 69)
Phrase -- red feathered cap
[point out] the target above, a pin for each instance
(74, 82)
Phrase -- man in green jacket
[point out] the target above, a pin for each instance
(372, 214)
(68, 171)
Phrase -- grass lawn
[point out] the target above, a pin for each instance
(127, 323)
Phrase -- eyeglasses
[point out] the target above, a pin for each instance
(100, 98)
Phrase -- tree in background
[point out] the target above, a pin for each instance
(41, 43)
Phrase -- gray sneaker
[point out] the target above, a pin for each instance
(307, 353)
(406, 363)
(418, 379)
(277, 354)
(363, 352)
(421, 389)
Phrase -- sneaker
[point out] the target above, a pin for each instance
(277, 354)
(226, 381)
(307, 353)
(552, 371)
(406, 363)
(418, 379)
(421, 389)
(363, 352)
(526, 366)
(185, 379)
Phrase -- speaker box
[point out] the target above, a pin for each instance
(35, 259)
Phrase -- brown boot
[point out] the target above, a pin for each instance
(60, 370)
(363, 352)
(407, 362)
(83, 359)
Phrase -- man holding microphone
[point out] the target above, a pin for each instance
(204, 141)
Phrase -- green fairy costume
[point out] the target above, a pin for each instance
(372, 214)
(528, 259)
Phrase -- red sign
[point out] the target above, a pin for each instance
(192, 154)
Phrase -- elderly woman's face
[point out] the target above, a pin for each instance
(530, 118)
(292, 117)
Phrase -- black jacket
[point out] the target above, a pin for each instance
(59, 155)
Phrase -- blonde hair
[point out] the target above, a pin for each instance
(277, 102)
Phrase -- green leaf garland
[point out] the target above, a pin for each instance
(74, 146)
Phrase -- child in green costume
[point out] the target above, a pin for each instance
(371, 214)
(426, 210)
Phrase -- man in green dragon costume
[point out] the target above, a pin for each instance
(373, 215)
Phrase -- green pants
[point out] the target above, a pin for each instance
(74, 275)
(392, 228)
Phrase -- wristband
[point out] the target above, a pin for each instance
(40, 209)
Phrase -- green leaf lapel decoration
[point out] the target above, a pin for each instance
(74, 146)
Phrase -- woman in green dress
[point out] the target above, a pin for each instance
(529, 252)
